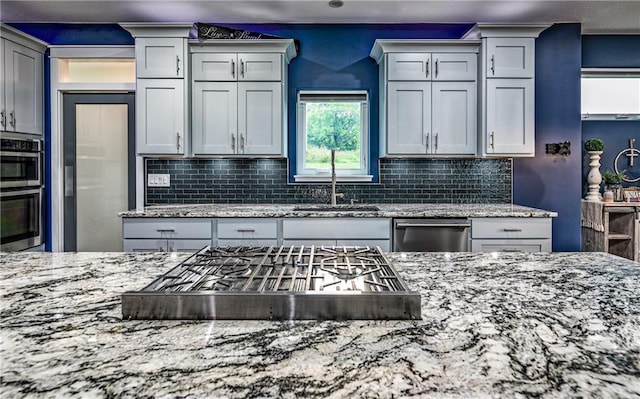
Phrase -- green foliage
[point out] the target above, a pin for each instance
(334, 125)
(594, 145)
(611, 178)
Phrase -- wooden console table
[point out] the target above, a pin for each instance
(611, 227)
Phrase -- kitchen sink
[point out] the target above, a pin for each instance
(336, 208)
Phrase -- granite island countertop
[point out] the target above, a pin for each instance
(558, 325)
(386, 210)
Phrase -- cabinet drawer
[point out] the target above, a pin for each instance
(234, 242)
(167, 228)
(511, 228)
(543, 245)
(247, 228)
(164, 245)
(336, 229)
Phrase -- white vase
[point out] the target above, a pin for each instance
(594, 178)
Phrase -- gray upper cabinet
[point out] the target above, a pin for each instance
(238, 102)
(507, 82)
(162, 127)
(236, 67)
(21, 83)
(432, 66)
(428, 97)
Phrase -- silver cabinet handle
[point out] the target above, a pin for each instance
(12, 121)
(177, 65)
(161, 231)
(427, 141)
(242, 142)
(511, 250)
(436, 143)
(491, 143)
(411, 225)
(241, 68)
(3, 118)
(493, 65)
(246, 230)
(511, 230)
(436, 67)
(68, 181)
(233, 69)
(233, 142)
(427, 74)
(178, 142)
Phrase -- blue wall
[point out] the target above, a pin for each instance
(553, 182)
(337, 56)
(612, 51)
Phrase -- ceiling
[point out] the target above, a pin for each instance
(596, 17)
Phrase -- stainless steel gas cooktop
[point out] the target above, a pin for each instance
(279, 283)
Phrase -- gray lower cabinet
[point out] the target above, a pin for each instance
(166, 234)
(333, 231)
(511, 234)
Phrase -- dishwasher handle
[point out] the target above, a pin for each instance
(409, 225)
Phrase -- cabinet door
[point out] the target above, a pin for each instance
(23, 84)
(409, 66)
(541, 245)
(510, 57)
(454, 118)
(260, 118)
(260, 66)
(164, 245)
(510, 117)
(215, 116)
(214, 66)
(453, 66)
(408, 117)
(160, 116)
(160, 57)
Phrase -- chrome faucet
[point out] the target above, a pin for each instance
(334, 195)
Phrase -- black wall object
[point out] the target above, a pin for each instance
(559, 148)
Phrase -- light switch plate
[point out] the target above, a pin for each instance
(158, 180)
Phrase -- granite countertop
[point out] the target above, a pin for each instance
(386, 210)
(493, 325)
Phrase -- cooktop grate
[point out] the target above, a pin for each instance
(270, 282)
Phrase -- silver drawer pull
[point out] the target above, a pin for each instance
(165, 230)
(511, 250)
(246, 230)
(512, 230)
(411, 225)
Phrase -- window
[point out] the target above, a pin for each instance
(610, 94)
(332, 120)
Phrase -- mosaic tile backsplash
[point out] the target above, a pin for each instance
(253, 181)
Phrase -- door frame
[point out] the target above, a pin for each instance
(69, 100)
(56, 162)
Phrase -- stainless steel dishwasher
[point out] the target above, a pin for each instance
(431, 235)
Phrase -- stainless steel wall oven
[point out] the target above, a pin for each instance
(21, 193)
(20, 163)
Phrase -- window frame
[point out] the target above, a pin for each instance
(620, 73)
(321, 175)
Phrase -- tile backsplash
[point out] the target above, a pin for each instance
(254, 181)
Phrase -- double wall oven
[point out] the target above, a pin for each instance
(21, 192)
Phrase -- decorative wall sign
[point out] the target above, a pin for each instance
(210, 31)
(629, 154)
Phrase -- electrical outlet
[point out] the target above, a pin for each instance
(158, 180)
